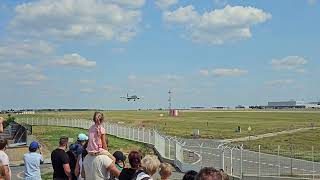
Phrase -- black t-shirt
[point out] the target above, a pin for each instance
(58, 158)
(127, 174)
(72, 164)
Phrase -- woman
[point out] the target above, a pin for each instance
(135, 163)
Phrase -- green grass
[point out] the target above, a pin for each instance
(297, 145)
(47, 176)
(216, 124)
(49, 136)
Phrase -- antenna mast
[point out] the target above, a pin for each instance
(170, 99)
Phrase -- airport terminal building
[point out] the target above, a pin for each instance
(293, 104)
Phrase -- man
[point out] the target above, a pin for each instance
(32, 161)
(60, 161)
(209, 173)
(99, 167)
(4, 161)
(120, 160)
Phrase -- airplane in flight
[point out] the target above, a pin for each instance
(133, 97)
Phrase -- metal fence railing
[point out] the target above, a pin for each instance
(187, 155)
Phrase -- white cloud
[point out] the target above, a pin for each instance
(218, 26)
(87, 81)
(279, 83)
(87, 90)
(204, 72)
(28, 49)
(164, 4)
(132, 77)
(75, 60)
(72, 19)
(111, 88)
(130, 3)
(229, 72)
(289, 63)
(24, 74)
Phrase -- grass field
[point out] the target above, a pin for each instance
(218, 125)
(297, 145)
(49, 136)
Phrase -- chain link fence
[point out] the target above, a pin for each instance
(187, 155)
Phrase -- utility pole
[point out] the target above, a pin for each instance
(170, 99)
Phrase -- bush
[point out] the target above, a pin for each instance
(10, 119)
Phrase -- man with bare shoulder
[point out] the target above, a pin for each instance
(4, 161)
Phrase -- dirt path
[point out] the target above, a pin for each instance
(269, 135)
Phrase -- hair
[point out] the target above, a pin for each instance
(134, 159)
(224, 176)
(3, 143)
(98, 117)
(63, 141)
(150, 164)
(207, 173)
(165, 170)
(32, 149)
(190, 175)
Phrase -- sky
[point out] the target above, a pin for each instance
(87, 54)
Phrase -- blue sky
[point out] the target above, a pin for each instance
(86, 54)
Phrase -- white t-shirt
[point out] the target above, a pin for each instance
(95, 167)
(4, 160)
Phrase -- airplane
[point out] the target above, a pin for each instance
(133, 97)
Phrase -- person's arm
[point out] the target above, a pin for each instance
(104, 143)
(77, 168)
(67, 170)
(41, 154)
(114, 170)
(83, 173)
(1, 124)
(6, 172)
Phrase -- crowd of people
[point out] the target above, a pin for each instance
(89, 159)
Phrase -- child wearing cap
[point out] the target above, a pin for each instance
(32, 161)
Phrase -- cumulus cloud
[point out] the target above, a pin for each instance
(165, 4)
(87, 81)
(204, 72)
(24, 74)
(72, 19)
(75, 60)
(218, 26)
(228, 72)
(279, 83)
(312, 2)
(87, 90)
(289, 63)
(28, 49)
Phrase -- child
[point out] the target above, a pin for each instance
(97, 141)
(165, 171)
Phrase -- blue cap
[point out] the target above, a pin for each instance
(76, 148)
(34, 145)
(82, 137)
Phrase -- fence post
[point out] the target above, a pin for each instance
(222, 159)
(138, 133)
(201, 165)
(241, 162)
(279, 170)
(259, 164)
(143, 135)
(169, 148)
(149, 136)
(312, 162)
(231, 167)
(117, 130)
